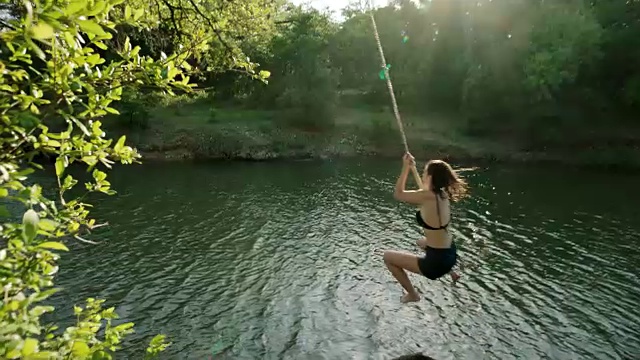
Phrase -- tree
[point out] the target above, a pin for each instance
(52, 70)
(303, 78)
(225, 26)
(566, 39)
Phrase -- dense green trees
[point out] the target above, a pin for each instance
(517, 67)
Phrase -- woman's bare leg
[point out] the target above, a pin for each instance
(454, 274)
(397, 262)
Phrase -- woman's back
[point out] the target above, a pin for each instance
(435, 214)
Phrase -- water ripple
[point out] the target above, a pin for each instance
(284, 261)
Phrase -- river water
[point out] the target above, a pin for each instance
(283, 261)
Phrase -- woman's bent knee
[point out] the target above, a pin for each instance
(393, 257)
(387, 256)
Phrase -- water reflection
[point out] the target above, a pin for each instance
(282, 261)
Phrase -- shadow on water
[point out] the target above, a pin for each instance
(283, 261)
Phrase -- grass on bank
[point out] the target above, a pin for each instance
(193, 127)
(198, 127)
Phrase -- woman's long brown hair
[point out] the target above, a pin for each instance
(444, 178)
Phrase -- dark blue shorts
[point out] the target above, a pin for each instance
(437, 262)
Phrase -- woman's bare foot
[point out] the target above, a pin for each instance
(406, 298)
(454, 277)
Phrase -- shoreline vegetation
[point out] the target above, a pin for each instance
(186, 129)
(503, 82)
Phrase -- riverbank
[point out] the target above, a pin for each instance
(195, 130)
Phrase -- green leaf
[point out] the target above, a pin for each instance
(138, 14)
(53, 143)
(80, 349)
(68, 37)
(45, 294)
(24, 173)
(106, 36)
(69, 182)
(13, 354)
(123, 327)
(36, 191)
(60, 166)
(100, 45)
(4, 192)
(156, 346)
(93, 59)
(127, 12)
(98, 7)
(39, 310)
(29, 347)
(112, 110)
(13, 305)
(81, 126)
(35, 165)
(91, 27)
(173, 72)
(90, 160)
(75, 6)
(42, 31)
(158, 340)
(264, 74)
(36, 49)
(30, 221)
(48, 225)
(120, 143)
(53, 245)
(134, 51)
(44, 355)
(95, 128)
(99, 175)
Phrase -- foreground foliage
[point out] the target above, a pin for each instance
(55, 85)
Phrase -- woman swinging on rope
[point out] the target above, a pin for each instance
(441, 185)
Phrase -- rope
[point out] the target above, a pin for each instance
(389, 84)
(396, 112)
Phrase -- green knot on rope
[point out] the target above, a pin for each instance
(405, 37)
(382, 72)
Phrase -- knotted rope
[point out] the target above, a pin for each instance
(396, 112)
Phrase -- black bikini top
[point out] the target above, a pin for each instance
(424, 224)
